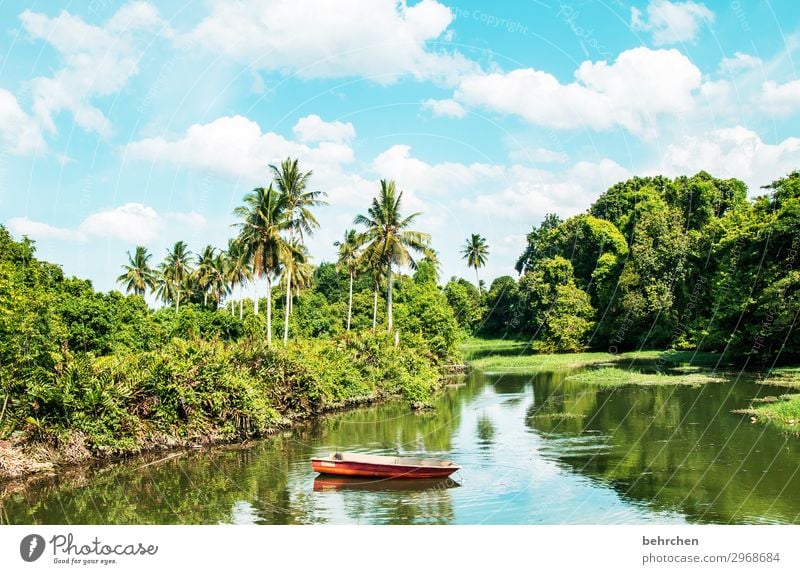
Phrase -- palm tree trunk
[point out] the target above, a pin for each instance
(269, 311)
(287, 308)
(205, 298)
(241, 304)
(375, 308)
(350, 303)
(477, 280)
(255, 303)
(389, 296)
(177, 301)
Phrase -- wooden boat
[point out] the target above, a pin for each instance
(352, 464)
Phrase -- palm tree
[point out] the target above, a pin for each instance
(475, 251)
(377, 271)
(292, 182)
(294, 262)
(218, 282)
(138, 276)
(205, 271)
(388, 237)
(238, 271)
(432, 257)
(349, 260)
(176, 271)
(263, 220)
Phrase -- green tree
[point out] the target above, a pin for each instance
(476, 252)
(557, 312)
(138, 275)
(204, 272)
(387, 237)
(262, 221)
(295, 270)
(238, 272)
(503, 313)
(348, 260)
(537, 246)
(175, 272)
(297, 203)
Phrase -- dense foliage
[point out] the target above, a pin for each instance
(103, 373)
(688, 262)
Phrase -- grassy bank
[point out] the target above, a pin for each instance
(515, 356)
(199, 392)
(610, 377)
(782, 412)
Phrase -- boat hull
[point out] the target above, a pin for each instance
(380, 469)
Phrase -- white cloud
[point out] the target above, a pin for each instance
(98, 61)
(444, 108)
(671, 22)
(733, 152)
(421, 177)
(531, 193)
(380, 39)
(19, 132)
(537, 155)
(781, 99)
(641, 85)
(132, 223)
(500, 192)
(235, 146)
(36, 229)
(314, 129)
(739, 62)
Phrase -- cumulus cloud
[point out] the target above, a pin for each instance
(537, 155)
(444, 108)
(739, 62)
(422, 177)
(19, 132)
(132, 223)
(671, 22)
(235, 146)
(314, 129)
(781, 99)
(632, 92)
(380, 39)
(98, 61)
(733, 152)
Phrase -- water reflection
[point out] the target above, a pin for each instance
(532, 449)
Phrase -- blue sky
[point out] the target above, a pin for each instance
(146, 122)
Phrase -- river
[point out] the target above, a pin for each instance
(533, 449)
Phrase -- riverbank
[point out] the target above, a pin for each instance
(197, 393)
(516, 356)
(645, 368)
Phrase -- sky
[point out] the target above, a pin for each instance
(144, 123)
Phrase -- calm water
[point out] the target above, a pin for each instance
(533, 449)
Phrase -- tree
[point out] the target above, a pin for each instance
(537, 243)
(296, 269)
(138, 276)
(204, 271)
(238, 271)
(349, 253)
(263, 220)
(291, 183)
(556, 311)
(218, 283)
(175, 271)
(475, 251)
(388, 238)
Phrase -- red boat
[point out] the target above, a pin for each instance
(351, 464)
